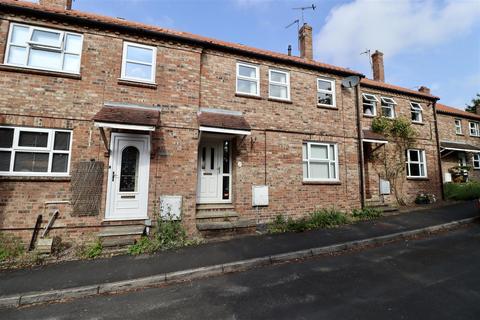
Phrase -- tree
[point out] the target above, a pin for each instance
(472, 107)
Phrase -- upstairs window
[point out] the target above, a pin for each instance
(416, 111)
(279, 85)
(369, 104)
(474, 129)
(476, 161)
(388, 107)
(248, 79)
(320, 161)
(42, 48)
(458, 126)
(34, 151)
(138, 63)
(416, 164)
(326, 93)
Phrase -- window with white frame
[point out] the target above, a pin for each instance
(326, 92)
(138, 62)
(416, 163)
(279, 84)
(369, 104)
(476, 161)
(248, 79)
(416, 111)
(34, 151)
(388, 107)
(474, 129)
(320, 161)
(458, 126)
(43, 48)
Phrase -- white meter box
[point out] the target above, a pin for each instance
(259, 196)
(384, 186)
(171, 207)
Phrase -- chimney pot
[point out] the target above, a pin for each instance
(289, 49)
(377, 66)
(424, 89)
(57, 4)
(305, 42)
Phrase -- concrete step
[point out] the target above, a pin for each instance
(215, 206)
(119, 241)
(213, 214)
(122, 231)
(223, 225)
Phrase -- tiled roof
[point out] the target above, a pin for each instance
(125, 115)
(185, 36)
(458, 146)
(441, 108)
(391, 87)
(369, 134)
(222, 120)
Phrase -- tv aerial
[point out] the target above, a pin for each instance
(312, 7)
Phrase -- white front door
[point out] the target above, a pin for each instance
(214, 171)
(128, 174)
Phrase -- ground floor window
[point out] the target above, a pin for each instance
(320, 161)
(34, 151)
(476, 161)
(416, 163)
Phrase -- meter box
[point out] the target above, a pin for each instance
(384, 186)
(171, 207)
(259, 196)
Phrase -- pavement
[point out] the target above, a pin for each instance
(76, 274)
(429, 278)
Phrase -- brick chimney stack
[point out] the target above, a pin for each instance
(377, 66)
(424, 89)
(57, 4)
(305, 42)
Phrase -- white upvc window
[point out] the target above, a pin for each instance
(34, 151)
(320, 161)
(278, 84)
(388, 107)
(369, 104)
(326, 92)
(248, 79)
(458, 126)
(43, 48)
(416, 111)
(474, 129)
(476, 161)
(138, 62)
(416, 163)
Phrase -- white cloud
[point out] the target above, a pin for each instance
(251, 3)
(392, 27)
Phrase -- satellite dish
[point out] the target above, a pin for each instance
(350, 82)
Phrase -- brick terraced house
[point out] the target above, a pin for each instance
(459, 134)
(111, 122)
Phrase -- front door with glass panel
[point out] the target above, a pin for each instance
(214, 171)
(128, 177)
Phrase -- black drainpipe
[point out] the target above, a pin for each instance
(360, 146)
(439, 156)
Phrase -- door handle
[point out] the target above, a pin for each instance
(218, 170)
(113, 176)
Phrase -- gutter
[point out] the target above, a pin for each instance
(198, 42)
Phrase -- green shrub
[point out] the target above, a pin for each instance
(144, 245)
(278, 225)
(381, 125)
(91, 250)
(10, 247)
(366, 213)
(325, 218)
(462, 191)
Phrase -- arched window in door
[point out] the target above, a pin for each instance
(129, 169)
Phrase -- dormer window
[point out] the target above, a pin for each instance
(369, 104)
(416, 111)
(43, 48)
(388, 107)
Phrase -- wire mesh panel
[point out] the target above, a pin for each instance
(86, 187)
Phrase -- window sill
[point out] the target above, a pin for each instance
(9, 68)
(418, 178)
(322, 182)
(459, 134)
(321, 106)
(369, 116)
(35, 178)
(245, 95)
(280, 100)
(137, 83)
(419, 123)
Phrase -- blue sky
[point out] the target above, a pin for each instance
(432, 43)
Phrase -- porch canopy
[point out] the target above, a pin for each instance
(127, 117)
(223, 121)
(458, 146)
(374, 137)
